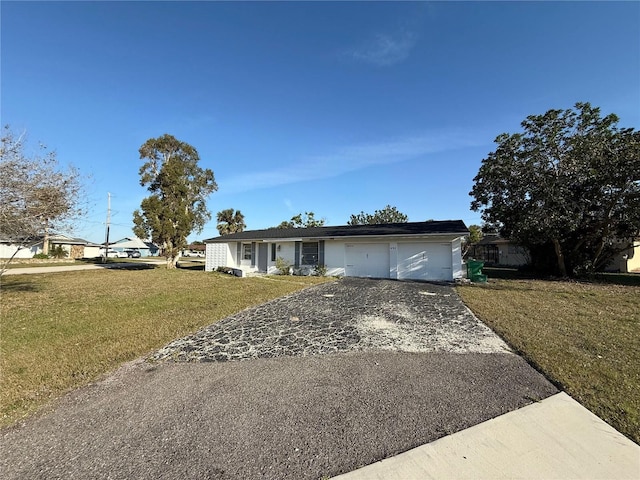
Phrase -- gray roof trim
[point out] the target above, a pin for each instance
(444, 227)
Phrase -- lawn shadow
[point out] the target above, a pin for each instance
(195, 266)
(129, 266)
(625, 279)
(18, 285)
(504, 273)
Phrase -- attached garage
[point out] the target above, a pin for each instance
(424, 261)
(367, 260)
(403, 251)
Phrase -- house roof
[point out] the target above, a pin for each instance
(492, 239)
(130, 242)
(67, 240)
(54, 238)
(444, 227)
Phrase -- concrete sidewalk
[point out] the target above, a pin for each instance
(554, 438)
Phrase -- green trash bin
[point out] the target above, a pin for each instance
(474, 271)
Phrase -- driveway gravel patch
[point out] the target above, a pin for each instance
(352, 314)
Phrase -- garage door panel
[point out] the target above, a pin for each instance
(424, 261)
(367, 260)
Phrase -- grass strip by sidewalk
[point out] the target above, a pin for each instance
(60, 331)
(583, 336)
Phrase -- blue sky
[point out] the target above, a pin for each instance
(330, 107)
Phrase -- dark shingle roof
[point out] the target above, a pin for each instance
(444, 227)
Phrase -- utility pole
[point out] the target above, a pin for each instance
(106, 241)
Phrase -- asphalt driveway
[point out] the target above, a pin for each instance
(311, 385)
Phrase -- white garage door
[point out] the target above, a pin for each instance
(424, 261)
(367, 260)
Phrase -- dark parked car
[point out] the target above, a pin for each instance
(133, 252)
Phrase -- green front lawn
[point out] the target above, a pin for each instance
(60, 331)
(584, 336)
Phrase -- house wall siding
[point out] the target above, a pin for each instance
(334, 258)
(335, 255)
(633, 258)
(217, 255)
(456, 259)
(7, 251)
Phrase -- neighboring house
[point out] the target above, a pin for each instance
(147, 249)
(417, 250)
(75, 247)
(192, 247)
(627, 261)
(9, 248)
(495, 250)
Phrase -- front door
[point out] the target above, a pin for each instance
(262, 256)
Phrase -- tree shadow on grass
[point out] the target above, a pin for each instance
(21, 285)
(625, 279)
(129, 266)
(507, 273)
(195, 266)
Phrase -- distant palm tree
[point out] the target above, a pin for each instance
(230, 221)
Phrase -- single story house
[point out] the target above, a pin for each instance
(147, 249)
(499, 251)
(495, 250)
(75, 247)
(628, 260)
(415, 250)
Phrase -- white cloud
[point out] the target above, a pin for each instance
(383, 50)
(288, 204)
(352, 158)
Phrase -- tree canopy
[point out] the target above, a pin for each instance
(307, 220)
(567, 188)
(388, 214)
(178, 190)
(475, 235)
(37, 195)
(230, 221)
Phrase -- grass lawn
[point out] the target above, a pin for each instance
(63, 330)
(584, 336)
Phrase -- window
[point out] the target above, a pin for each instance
(309, 253)
(273, 252)
(246, 251)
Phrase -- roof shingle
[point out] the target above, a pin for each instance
(442, 227)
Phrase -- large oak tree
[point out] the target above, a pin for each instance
(178, 190)
(567, 188)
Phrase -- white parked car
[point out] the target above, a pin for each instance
(191, 253)
(111, 253)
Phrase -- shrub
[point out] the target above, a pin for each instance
(41, 256)
(320, 270)
(58, 252)
(283, 265)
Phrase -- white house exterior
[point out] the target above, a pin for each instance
(9, 249)
(415, 250)
(75, 247)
